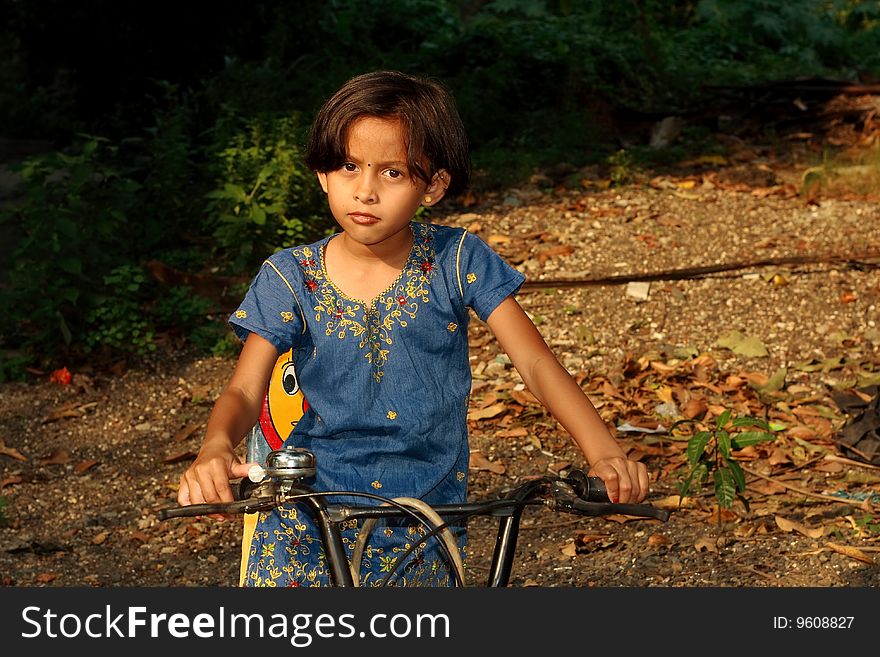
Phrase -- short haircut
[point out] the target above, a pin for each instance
(435, 136)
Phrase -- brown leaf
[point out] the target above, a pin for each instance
(71, 410)
(486, 413)
(694, 409)
(852, 552)
(706, 543)
(187, 431)
(569, 549)
(552, 252)
(56, 457)
(803, 432)
(100, 538)
(768, 487)
(83, 466)
(524, 397)
(658, 539)
(787, 525)
(479, 462)
(11, 451)
(779, 456)
(828, 466)
(45, 578)
(138, 535)
(11, 479)
(515, 432)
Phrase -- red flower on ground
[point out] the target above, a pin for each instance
(61, 376)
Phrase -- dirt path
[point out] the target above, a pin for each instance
(84, 467)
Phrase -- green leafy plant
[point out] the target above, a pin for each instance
(73, 225)
(118, 320)
(710, 456)
(4, 521)
(266, 197)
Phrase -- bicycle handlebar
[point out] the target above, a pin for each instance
(576, 493)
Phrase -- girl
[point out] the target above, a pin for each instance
(375, 318)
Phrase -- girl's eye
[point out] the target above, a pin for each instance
(394, 173)
(349, 166)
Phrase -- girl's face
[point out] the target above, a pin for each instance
(374, 195)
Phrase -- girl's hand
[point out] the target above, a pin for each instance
(626, 481)
(207, 479)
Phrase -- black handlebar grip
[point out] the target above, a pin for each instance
(587, 488)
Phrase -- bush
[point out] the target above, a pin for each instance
(266, 198)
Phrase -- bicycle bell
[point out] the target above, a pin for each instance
(290, 463)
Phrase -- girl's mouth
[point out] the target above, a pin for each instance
(363, 218)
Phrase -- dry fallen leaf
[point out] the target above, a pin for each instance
(787, 525)
(479, 462)
(852, 552)
(569, 549)
(11, 451)
(486, 413)
(768, 487)
(515, 432)
(83, 466)
(706, 543)
(56, 457)
(187, 431)
(671, 502)
(524, 397)
(100, 538)
(45, 578)
(11, 479)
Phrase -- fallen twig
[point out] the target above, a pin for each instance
(797, 489)
(699, 272)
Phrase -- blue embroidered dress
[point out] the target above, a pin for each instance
(387, 388)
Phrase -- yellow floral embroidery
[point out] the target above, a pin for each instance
(286, 316)
(471, 277)
(460, 476)
(241, 314)
(392, 415)
(376, 484)
(396, 306)
(389, 532)
(451, 327)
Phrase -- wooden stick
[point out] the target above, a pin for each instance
(802, 491)
(699, 272)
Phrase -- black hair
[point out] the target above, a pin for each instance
(435, 136)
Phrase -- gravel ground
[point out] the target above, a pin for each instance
(86, 466)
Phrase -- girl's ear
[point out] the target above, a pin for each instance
(322, 178)
(435, 191)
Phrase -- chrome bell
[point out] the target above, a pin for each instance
(290, 463)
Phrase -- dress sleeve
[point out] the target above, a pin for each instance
(270, 309)
(484, 278)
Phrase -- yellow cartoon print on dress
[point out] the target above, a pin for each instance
(284, 403)
(283, 406)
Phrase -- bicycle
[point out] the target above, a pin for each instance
(281, 482)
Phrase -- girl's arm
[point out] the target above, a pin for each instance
(553, 386)
(236, 410)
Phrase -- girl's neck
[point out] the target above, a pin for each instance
(393, 252)
(362, 272)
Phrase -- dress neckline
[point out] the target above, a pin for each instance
(372, 303)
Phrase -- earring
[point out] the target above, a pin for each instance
(427, 199)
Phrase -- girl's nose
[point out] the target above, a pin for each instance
(365, 191)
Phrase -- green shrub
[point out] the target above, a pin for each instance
(77, 222)
(266, 198)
